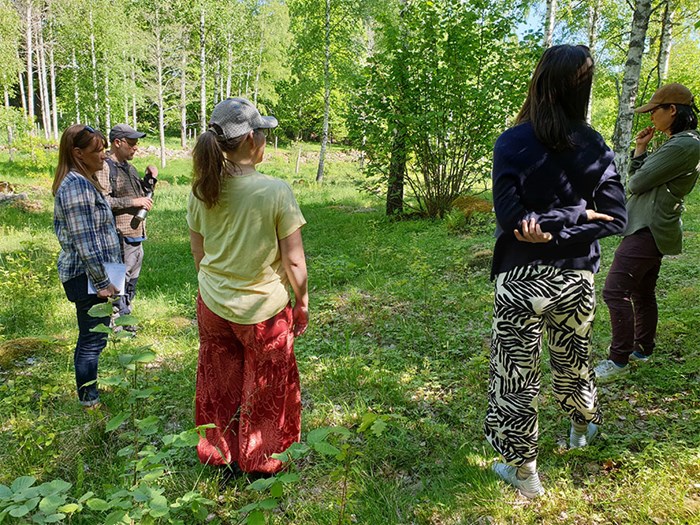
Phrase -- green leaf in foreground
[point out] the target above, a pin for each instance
(116, 421)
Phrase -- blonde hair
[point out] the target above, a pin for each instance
(81, 137)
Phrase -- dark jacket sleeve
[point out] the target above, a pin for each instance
(608, 198)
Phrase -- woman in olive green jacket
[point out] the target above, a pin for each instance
(657, 185)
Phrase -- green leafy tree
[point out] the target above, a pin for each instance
(458, 92)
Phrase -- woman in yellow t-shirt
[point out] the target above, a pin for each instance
(245, 234)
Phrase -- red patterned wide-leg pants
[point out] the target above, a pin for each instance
(248, 386)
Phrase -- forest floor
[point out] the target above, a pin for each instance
(396, 353)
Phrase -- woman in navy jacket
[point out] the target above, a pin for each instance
(556, 192)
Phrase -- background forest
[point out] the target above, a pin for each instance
(419, 88)
(394, 105)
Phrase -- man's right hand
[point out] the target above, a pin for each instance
(143, 202)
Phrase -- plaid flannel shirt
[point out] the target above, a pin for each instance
(84, 225)
(128, 186)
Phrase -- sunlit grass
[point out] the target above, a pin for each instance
(400, 326)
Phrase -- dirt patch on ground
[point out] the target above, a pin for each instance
(15, 351)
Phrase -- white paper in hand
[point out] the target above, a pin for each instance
(116, 272)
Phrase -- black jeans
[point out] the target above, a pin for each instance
(630, 293)
(89, 345)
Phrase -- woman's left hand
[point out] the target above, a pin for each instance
(531, 232)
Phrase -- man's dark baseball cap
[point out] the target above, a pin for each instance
(124, 131)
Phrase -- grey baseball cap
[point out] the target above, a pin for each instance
(124, 131)
(237, 116)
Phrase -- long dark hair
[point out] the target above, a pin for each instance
(685, 119)
(558, 95)
(81, 137)
(208, 163)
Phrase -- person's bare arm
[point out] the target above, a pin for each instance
(197, 248)
(294, 261)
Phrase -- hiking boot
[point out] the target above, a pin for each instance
(581, 439)
(608, 370)
(529, 487)
(638, 356)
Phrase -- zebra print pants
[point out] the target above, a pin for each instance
(527, 300)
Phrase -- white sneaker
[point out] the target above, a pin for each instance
(607, 370)
(529, 487)
(578, 440)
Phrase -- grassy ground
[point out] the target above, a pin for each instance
(400, 328)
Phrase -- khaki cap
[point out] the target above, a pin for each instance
(669, 94)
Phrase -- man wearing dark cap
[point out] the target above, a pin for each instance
(127, 194)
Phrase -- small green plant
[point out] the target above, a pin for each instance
(45, 503)
(344, 454)
(143, 500)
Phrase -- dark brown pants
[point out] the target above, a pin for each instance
(630, 293)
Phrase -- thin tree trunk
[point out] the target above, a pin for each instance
(326, 93)
(159, 79)
(30, 61)
(133, 93)
(202, 75)
(622, 135)
(126, 99)
(296, 167)
(550, 22)
(54, 106)
(229, 68)
(108, 104)
(217, 79)
(93, 56)
(593, 17)
(43, 88)
(397, 162)
(76, 87)
(183, 99)
(665, 43)
(259, 68)
(10, 132)
(22, 92)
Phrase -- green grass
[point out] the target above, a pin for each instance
(400, 325)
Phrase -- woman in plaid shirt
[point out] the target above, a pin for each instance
(84, 225)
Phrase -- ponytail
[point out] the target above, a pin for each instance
(209, 163)
(207, 169)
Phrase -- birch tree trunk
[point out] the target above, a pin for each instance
(259, 68)
(108, 105)
(93, 57)
(54, 106)
(22, 92)
(30, 61)
(10, 133)
(217, 81)
(665, 43)
(550, 21)
(326, 93)
(76, 87)
(133, 94)
(593, 17)
(622, 135)
(42, 77)
(183, 98)
(229, 67)
(159, 79)
(202, 75)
